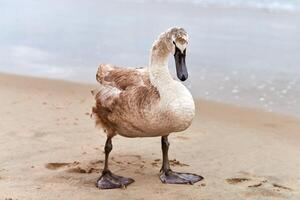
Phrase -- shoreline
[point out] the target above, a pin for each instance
(7, 76)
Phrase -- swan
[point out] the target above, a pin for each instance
(146, 102)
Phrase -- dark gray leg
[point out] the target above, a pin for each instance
(169, 176)
(165, 153)
(108, 180)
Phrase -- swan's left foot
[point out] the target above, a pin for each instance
(171, 177)
(167, 175)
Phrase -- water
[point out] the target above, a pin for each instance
(270, 5)
(241, 52)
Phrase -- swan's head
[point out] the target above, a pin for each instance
(179, 39)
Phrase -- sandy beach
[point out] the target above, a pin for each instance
(50, 149)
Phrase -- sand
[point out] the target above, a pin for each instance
(50, 149)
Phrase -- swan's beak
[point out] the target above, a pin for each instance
(181, 70)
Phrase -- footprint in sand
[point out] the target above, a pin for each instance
(54, 166)
(95, 166)
(259, 186)
(76, 167)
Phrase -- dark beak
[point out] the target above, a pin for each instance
(181, 70)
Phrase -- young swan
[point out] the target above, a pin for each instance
(146, 102)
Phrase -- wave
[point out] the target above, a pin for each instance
(270, 5)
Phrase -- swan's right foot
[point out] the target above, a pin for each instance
(109, 180)
(171, 177)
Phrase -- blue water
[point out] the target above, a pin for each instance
(271, 5)
(241, 51)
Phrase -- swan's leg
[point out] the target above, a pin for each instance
(108, 180)
(171, 177)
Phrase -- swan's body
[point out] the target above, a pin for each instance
(143, 102)
(146, 102)
(137, 108)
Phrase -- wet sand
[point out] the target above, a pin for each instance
(50, 149)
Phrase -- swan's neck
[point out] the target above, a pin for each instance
(158, 68)
(173, 95)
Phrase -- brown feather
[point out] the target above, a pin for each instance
(124, 98)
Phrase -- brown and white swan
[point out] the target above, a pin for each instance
(146, 102)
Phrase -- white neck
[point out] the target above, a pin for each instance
(158, 67)
(174, 97)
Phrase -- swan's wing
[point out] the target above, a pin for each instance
(124, 98)
(121, 78)
(113, 84)
(124, 111)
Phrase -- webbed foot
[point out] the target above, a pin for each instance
(109, 180)
(171, 177)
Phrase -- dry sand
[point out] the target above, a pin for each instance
(50, 149)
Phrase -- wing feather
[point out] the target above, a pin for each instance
(123, 98)
(121, 78)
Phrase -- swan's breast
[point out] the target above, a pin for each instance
(181, 107)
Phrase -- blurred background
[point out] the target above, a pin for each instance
(243, 52)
